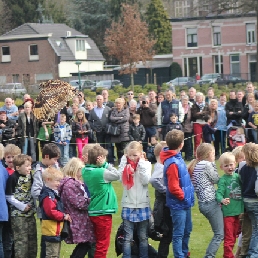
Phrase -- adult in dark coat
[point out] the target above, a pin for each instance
(120, 117)
(233, 109)
(98, 118)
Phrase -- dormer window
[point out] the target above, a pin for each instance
(80, 45)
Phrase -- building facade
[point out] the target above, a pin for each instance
(36, 52)
(224, 44)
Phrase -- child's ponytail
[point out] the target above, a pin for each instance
(202, 153)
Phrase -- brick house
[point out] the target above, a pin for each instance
(35, 52)
(224, 43)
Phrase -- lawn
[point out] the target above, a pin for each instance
(199, 240)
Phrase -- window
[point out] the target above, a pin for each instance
(218, 64)
(216, 36)
(6, 57)
(182, 8)
(192, 37)
(250, 33)
(235, 65)
(33, 51)
(5, 51)
(80, 45)
(15, 78)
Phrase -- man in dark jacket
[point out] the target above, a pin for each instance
(233, 109)
(147, 119)
(98, 118)
(166, 108)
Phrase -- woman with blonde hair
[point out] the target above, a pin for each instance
(120, 117)
(199, 110)
(76, 200)
(204, 175)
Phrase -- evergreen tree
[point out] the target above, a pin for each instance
(91, 17)
(116, 7)
(159, 27)
(22, 11)
(55, 11)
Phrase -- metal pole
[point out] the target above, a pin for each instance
(79, 77)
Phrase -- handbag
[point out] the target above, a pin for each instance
(113, 129)
(92, 136)
(66, 230)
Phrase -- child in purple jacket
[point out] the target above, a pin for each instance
(76, 200)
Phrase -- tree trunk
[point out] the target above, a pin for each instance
(132, 81)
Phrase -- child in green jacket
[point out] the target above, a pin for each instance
(98, 175)
(229, 195)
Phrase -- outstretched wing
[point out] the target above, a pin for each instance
(53, 96)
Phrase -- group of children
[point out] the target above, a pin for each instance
(83, 195)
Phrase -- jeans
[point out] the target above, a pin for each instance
(120, 146)
(1, 240)
(72, 150)
(29, 147)
(150, 131)
(220, 142)
(212, 211)
(188, 146)
(142, 229)
(105, 141)
(64, 156)
(7, 239)
(254, 132)
(182, 227)
(252, 210)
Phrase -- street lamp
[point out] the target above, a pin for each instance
(79, 75)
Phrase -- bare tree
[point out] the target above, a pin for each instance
(128, 40)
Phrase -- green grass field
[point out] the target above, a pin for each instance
(199, 240)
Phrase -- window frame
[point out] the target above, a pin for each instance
(80, 45)
(250, 33)
(33, 55)
(193, 37)
(233, 62)
(216, 36)
(6, 57)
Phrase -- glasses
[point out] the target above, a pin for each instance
(129, 93)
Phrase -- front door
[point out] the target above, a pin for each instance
(253, 71)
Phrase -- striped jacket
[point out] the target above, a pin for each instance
(204, 177)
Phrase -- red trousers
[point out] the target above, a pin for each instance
(231, 230)
(102, 229)
(197, 130)
(80, 144)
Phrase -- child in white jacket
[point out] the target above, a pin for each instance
(135, 174)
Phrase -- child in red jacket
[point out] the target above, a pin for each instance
(53, 215)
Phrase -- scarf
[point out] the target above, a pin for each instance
(127, 177)
(201, 105)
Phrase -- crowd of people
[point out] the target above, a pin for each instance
(71, 186)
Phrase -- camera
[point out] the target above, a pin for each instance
(143, 102)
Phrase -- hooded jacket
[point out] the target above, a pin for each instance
(52, 215)
(138, 195)
(180, 191)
